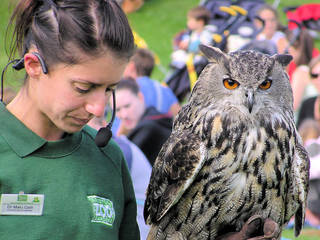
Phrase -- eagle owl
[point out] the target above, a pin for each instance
(234, 152)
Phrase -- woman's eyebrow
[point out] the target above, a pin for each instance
(87, 81)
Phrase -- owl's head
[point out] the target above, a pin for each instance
(247, 81)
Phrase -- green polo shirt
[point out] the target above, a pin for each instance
(87, 191)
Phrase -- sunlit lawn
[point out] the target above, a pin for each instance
(306, 234)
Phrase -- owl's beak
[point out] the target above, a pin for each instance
(250, 99)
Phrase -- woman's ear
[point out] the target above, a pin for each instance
(130, 70)
(141, 97)
(32, 65)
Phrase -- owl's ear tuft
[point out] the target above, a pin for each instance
(283, 59)
(212, 53)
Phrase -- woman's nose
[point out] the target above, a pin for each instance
(96, 104)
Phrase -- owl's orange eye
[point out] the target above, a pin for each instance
(230, 84)
(266, 84)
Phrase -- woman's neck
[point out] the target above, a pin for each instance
(24, 109)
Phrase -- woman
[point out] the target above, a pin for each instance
(272, 26)
(310, 107)
(74, 53)
(303, 51)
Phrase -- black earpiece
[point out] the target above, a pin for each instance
(20, 63)
(104, 134)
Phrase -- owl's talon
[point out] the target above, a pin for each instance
(252, 227)
(271, 231)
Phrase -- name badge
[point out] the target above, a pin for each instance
(22, 204)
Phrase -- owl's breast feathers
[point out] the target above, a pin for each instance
(232, 169)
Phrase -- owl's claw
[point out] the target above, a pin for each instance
(271, 231)
(252, 227)
(256, 228)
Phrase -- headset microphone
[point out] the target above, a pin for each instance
(104, 134)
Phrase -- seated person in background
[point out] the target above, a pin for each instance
(139, 167)
(301, 47)
(310, 107)
(161, 97)
(272, 28)
(310, 133)
(309, 129)
(197, 19)
(146, 126)
(303, 51)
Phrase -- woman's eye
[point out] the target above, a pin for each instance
(82, 88)
(266, 84)
(230, 83)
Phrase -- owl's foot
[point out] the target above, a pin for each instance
(256, 228)
(271, 231)
(253, 227)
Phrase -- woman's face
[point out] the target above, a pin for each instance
(194, 24)
(316, 79)
(270, 21)
(294, 52)
(130, 108)
(71, 95)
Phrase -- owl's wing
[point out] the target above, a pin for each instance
(176, 166)
(300, 184)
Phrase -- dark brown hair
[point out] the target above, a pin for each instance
(304, 44)
(63, 30)
(200, 13)
(143, 60)
(129, 84)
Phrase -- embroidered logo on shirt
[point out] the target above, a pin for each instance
(103, 211)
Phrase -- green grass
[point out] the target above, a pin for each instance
(12, 78)
(306, 234)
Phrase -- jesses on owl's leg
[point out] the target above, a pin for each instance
(256, 228)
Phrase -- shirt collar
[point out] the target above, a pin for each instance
(24, 142)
